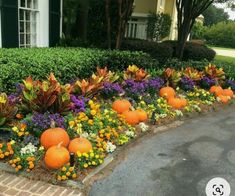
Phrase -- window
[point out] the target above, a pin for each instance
(28, 10)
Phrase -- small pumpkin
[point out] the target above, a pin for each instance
(223, 99)
(167, 92)
(228, 92)
(142, 115)
(80, 144)
(131, 117)
(175, 103)
(56, 157)
(217, 90)
(54, 136)
(121, 106)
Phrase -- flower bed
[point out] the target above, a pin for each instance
(65, 131)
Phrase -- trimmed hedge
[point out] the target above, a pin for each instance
(160, 51)
(66, 63)
(194, 51)
(166, 50)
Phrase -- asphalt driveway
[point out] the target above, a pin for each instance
(178, 162)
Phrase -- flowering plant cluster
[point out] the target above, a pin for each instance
(96, 115)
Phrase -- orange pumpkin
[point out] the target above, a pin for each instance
(56, 157)
(228, 92)
(223, 99)
(175, 103)
(121, 106)
(80, 144)
(184, 102)
(131, 117)
(142, 115)
(217, 90)
(54, 136)
(167, 92)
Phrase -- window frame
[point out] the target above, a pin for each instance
(33, 10)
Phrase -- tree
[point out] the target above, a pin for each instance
(187, 12)
(214, 15)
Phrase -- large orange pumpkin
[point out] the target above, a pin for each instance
(121, 106)
(176, 103)
(142, 115)
(54, 136)
(131, 117)
(217, 90)
(80, 144)
(184, 102)
(228, 92)
(223, 99)
(56, 157)
(167, 92)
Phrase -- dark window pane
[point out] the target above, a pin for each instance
(28, 27)
(29, 3)
(21, 27)
(22, 3)
(28, 39)
(21, 39)
(21, 15)
(27, 15)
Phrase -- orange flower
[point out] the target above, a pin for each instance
(19, 116)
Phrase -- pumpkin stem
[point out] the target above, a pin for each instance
(52, 125)
(59, 145)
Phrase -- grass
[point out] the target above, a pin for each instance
(225, 59)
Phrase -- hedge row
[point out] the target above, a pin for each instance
(167, 50)
(65, 63)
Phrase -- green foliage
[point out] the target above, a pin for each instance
(194, 51)
(66, 63)
(159, 25)
(158, 51)
(221, 34)
(213, 15)
(198, 31)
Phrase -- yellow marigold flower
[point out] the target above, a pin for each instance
(16, 169)
(92, 154)
(63, 169)
(85, 154)
(89, 163)
(1, 145)
(74, 176)
(6, 153)
(15, 129)
(68, 173)
(79, 154)
(63, 177)
(93, 112)
(59, 178)
(41, 148)
(20, 134)
(90, 122)
(90, 102)
(85, 165)
(19, 167)
(2, 156)
(97, 156)
(93, 163)
(71, 169)
(71, 123)
(101, 161)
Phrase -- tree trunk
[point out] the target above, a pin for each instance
(82, 19)
(118, 40)
(107, 11)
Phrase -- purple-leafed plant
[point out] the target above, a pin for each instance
(187, 84)
(207, 82)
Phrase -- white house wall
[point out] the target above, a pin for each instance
(43, 24)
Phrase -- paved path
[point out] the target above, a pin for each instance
(230, 53)
(16, 185)
(177, 162)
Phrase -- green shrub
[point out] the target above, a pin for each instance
(194, 51)
(221, 34)
(160, 51)
(66, 63)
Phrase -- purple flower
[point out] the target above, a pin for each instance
(78, 104)
(187, 84)
(231, 83)
(111, 89)
(13, 99)
(44, 121)
(207, 82)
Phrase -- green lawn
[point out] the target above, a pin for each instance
(225, 58)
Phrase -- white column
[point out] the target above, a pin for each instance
(43, 23)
